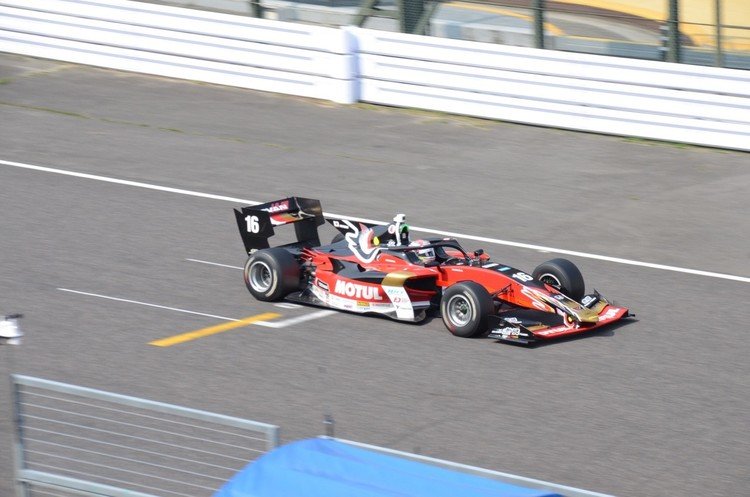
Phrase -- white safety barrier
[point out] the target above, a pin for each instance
(311, 61)
(657, 100)
(674, 102)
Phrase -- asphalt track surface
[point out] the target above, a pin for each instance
(655, 407)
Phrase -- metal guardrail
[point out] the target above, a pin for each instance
(598, 26)
(647, 99)
(81, 441)
(76, 441)
(485, 473)
(239, 51)
(655, 100)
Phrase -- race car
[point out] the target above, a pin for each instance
(378, 269)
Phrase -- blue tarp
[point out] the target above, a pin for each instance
(320, 467)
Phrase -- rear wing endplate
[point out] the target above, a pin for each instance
(256, 223)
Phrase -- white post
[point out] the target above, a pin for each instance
(346, 88)
(11, 334)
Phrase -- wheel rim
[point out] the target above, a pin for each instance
(551, 280)
(459, 310)
(260, 276)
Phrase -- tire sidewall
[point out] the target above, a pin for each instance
(468, 298)
(260, 258)
(567, 273)
(471, 293)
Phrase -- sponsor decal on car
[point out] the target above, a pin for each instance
(361, 241)
(507, 332)
(401, 301)
(278, 207)
(588, 300)
(384, 305)
(356, 290)
(340, 303)
(610, 314)
(521, 276)
(535, 296)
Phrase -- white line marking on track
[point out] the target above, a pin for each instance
(283, 305)
(213, 263)
(296, 320)
(266, 324)
(586, 255)
(287, 305)
(138, 184)
(147, 304)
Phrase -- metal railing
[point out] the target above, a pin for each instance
(484, 473)
(667, 31)
(71, 440)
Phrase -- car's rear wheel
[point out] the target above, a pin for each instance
(271, 274)
(465, 308)
(562, 275)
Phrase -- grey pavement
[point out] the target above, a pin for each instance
(654, 407)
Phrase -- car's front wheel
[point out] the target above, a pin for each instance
(465, 308)
(562, 275)
(271, 274)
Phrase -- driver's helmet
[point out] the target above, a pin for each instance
(426, 254)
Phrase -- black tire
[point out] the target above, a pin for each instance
(465, 308)
(271, 274)
(562, 275)
(336, 239)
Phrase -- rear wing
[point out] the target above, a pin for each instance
(256, 223)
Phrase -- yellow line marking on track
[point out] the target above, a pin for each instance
(212, 330)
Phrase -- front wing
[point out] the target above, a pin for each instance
(525, 331)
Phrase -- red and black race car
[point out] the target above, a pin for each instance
(379, 269)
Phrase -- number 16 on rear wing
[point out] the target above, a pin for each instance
(256, 223)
